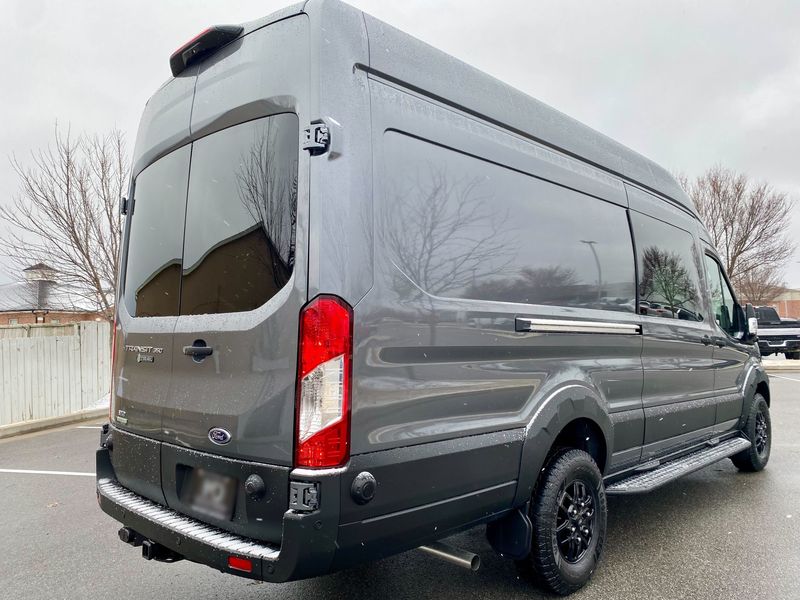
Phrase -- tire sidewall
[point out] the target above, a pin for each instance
(580, 467)
(759, 405)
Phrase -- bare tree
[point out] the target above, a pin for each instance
(269, 194)
(747, 221)
(443, 235)
(665, 279)
(66, 213)
(761, 286)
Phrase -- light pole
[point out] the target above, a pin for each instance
(591, 244)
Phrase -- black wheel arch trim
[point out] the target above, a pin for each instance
(755, 379)
(569, 402)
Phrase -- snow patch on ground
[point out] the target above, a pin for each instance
(102, 402)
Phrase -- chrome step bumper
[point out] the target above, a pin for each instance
(202, 533)
(639, 483)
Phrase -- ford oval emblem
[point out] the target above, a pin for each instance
(219, 436)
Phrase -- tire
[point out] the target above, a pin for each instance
(758, 430)
(564, 566)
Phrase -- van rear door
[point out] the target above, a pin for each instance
(235, 343)
(149, 306)
(216, 258)
(245, 255)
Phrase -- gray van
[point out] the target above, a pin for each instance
(371, 297)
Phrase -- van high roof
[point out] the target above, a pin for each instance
(411, 63)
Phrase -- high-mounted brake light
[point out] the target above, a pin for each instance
(322, 437)
(201, 45)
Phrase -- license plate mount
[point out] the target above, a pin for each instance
(211, 494)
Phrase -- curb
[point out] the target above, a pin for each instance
(782, 367)
(39, 424)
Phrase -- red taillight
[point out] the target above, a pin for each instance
(113, 367)
(240, 564)
(322, 437)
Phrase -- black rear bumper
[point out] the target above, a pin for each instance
(307, 547)
(424, 493)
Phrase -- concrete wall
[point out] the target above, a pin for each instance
(53, 371)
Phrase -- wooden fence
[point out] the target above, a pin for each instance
(53, 370)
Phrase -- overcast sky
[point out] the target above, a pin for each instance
(688, 84)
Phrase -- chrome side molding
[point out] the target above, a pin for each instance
(569, 326)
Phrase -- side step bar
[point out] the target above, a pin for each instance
(640, 483)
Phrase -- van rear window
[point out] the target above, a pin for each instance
(155, 239)
(240, 217)
(213, 223)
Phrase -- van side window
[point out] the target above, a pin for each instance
(461, 227)
(153, 265)
(240, 216)
(722, 303)
(669, 270)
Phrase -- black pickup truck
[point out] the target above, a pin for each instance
(776, 335)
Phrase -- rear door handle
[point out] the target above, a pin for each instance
(198, 350)
(706, 339)
(720, 342)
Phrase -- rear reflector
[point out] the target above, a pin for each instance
(323, 387)
(240, 564)
(202, 45)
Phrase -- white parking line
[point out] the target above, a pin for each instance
(786, 378)
(89, 427)
(30, 472)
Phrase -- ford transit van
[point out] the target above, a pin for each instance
(371, 297)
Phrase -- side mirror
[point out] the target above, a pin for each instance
(751, 324)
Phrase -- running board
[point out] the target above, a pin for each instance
(640, 483)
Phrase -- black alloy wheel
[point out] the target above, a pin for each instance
(762, 433)
(575, 520)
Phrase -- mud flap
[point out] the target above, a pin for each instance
(511, 536)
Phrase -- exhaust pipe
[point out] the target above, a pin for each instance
(455, 556)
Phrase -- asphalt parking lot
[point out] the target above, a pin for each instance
(714, 534)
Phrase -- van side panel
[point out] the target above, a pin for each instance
(430, 365)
